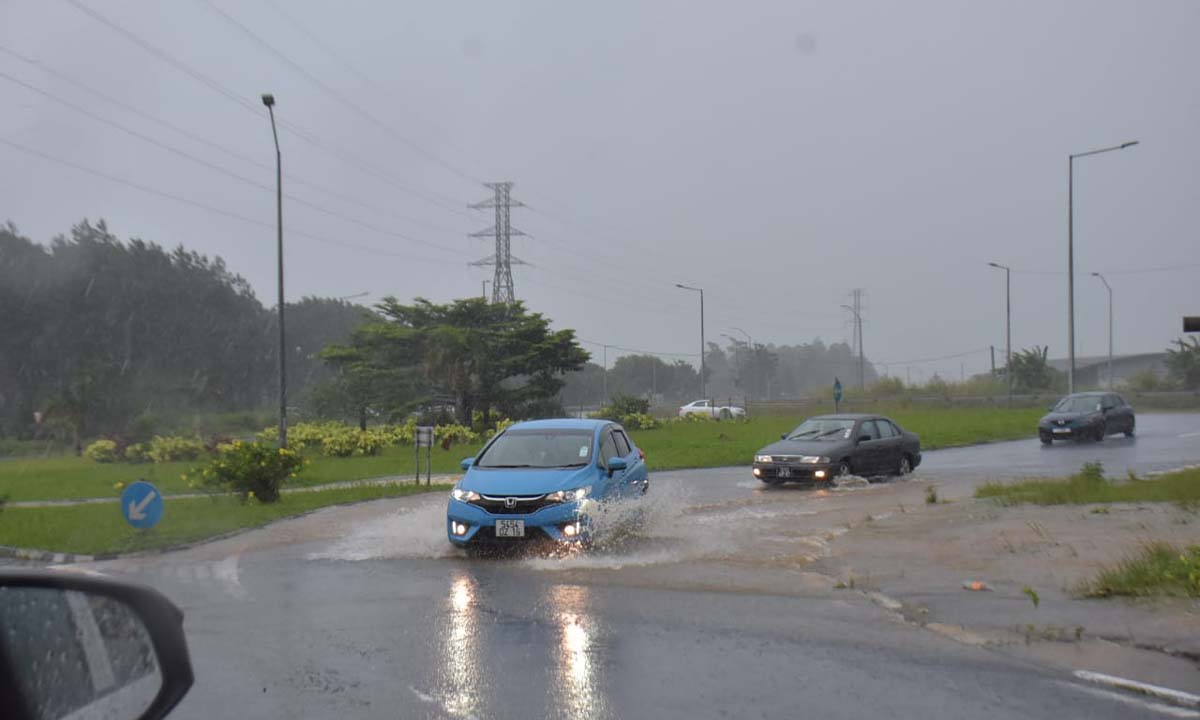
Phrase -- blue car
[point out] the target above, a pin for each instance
(537, 480)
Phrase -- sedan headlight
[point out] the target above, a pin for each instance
(569, 495)
(464, 495)
(814, 459)
(762, 458)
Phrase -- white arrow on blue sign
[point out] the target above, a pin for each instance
(142, 505)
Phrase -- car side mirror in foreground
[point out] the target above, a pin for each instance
(76, 645)
(864, 438)
(615, 464)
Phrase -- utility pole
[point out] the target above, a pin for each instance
(503, 232)
(993, 347)
(605, 375)
(703, 380)
(1007, 326)
(858, 335)
(1110, 326)
(484, 293)
(269, 101)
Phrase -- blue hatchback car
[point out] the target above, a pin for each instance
(537, 479)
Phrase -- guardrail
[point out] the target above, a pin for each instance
(1158, 400)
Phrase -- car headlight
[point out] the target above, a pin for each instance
(814, 459)
(569, 495)
(762, 458)
(464, 495)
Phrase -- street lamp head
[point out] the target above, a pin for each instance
(1096, 275)
(268, 99)
(1131, 143)
(995, 265)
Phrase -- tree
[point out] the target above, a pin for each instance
(1032, 372)
(485, 356)
(1183, 363)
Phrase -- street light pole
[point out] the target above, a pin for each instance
(1007, 326)
(861, 364)
(753, 355)
(1110, 327)
(1071, 253)
(269, 101)
(703, 380)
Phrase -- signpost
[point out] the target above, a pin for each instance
(837, 394)
(142, 505)
(423, 438)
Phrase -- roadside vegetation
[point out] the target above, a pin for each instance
(1158, 569)
(1089, 486)
(96, 529)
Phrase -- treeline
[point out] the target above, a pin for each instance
(97, 334)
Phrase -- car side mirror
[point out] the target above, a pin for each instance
(783, 436)
(467, 463)
(864, 438)
(84, 646)
(615, 464)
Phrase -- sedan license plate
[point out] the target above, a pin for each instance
(1062, 430)
(510, 528)
(784, 472)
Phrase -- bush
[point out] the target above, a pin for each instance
(695, 418)
(640, 421)
(172, 449)
(137, 453)
(102, 451)
(888, 387)
(252, 470)
(455, 435)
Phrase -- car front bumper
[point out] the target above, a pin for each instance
(802, 472)
(1067, 432)
(544, 523)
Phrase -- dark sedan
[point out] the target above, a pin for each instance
(822, 448)
(1090, 416)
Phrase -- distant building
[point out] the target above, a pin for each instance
(1091, 373)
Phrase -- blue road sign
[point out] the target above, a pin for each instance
(837, 390)
(142, 505)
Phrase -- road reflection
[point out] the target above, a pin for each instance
(460, 650)
(578, 687)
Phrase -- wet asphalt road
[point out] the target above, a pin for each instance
(373, 616)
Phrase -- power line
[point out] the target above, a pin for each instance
(225, 171)
(635, 351)
(934, 359)
(317, 40)
(296, 130)
(216, 210)
(337, 95)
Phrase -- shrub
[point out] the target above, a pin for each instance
(252, 470)
(640, 421)
(454, 435)
(695, 418)
(172, 449)
(621, 406)
(102, 451)
(137, 453)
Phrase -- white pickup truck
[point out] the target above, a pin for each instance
(711, 409)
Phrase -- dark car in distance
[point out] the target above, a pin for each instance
(1089, 415)
(824, 447)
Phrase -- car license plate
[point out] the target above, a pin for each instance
(510, 528)
(784, 472)
(1062, 430)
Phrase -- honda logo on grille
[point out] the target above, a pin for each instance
(510, 502)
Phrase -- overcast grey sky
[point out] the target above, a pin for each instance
(777, 154)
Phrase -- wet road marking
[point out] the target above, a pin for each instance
(1176, 696)
(1170, 710)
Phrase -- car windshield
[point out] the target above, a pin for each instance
(1077, 404)
(538, 449)
(822, 429)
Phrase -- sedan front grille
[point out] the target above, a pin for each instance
(512, 504)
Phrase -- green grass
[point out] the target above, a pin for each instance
(1090, 486)
(1159, 569)
(95, 529)
(693, 445)
(62, 478)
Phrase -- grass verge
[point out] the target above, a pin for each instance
(96, 529)
(1159, 569)
(697, 445)
(1090, 486)
(63, 478)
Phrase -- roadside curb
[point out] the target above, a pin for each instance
(47, 556)
(1175, 697)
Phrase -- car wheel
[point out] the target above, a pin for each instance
(1046, 439)
(1100, 433)
(905, 466)
(843, 469)
(725, 414)
(1129, 432)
